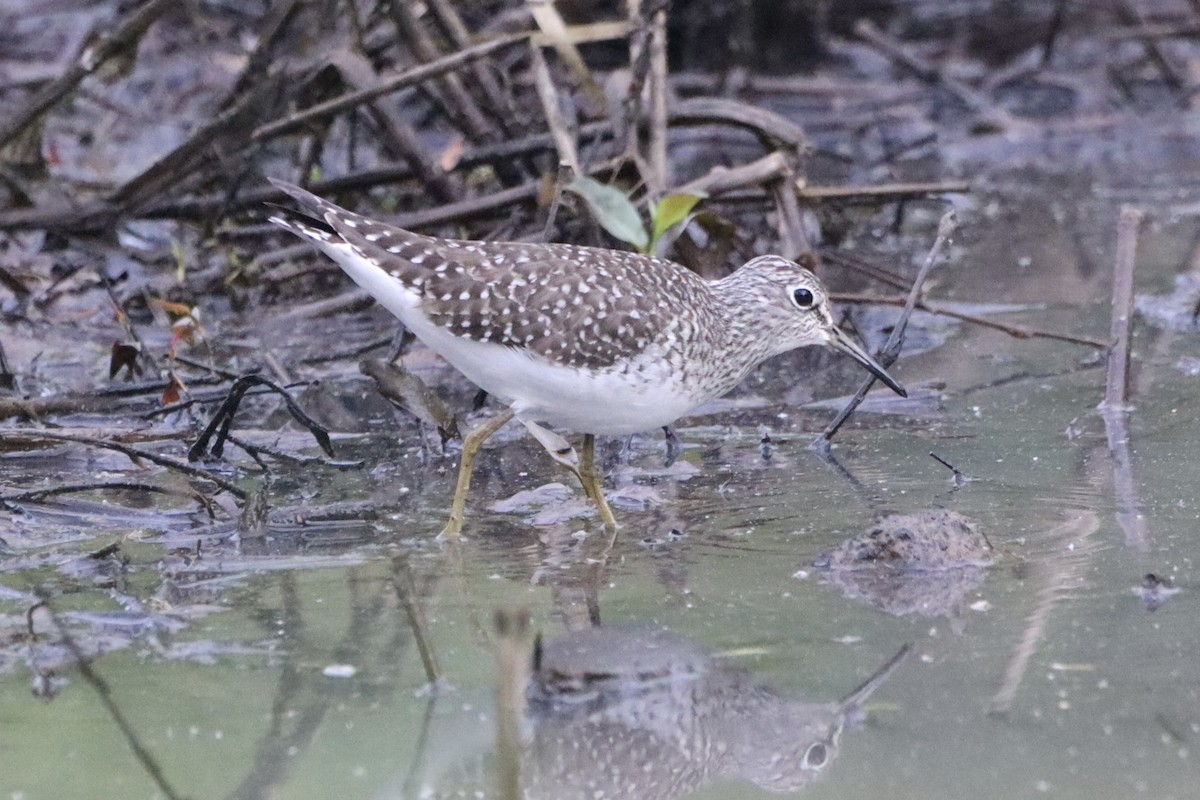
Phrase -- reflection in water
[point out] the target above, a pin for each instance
(649, 714)
(928, 562)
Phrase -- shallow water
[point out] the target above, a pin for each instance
(1051, 677)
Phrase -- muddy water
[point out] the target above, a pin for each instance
(289, 666)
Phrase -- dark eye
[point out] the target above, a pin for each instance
(816, 756)
(803, 297)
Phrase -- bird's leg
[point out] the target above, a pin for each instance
(585, 470)
(591, 481)
(466, 463)
(674, 448)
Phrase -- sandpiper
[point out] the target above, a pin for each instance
(584, 339)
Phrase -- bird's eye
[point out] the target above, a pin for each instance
(816, 756)
(803, 297)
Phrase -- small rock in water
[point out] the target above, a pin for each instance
(528, 500)
(928, 563)
(934, 539)
(1155, 591)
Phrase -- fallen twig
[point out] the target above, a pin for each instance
(772, 127)
(564, 138)
(37, 495)
(222, 419)
(888, 191)
(1015, 331)
(659, 177)
(386, 86)
(135, 454)
(202, 208)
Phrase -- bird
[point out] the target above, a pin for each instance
(583, 339)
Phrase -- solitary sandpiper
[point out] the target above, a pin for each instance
(585, 339)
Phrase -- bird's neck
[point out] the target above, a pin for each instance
(736, 334)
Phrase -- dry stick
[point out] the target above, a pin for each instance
(134, 453)
(386, 86)
(887, 356)
(467, 209)
(887, 191)
(791, 224)
(659, 177)
(1015, 331)
(92, 58)
(720, 179)
(564, 177)
(766, 124)
(1116, 385)
(865, 268)
(564, 140)
(552, 26)
(205, 207)
(1130, 515)
(100, 687)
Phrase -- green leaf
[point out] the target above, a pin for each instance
(670, 211)
(612, 209)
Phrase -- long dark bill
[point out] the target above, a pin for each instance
(840, 341)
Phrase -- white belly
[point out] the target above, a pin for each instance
(538, 390)
(608, 403)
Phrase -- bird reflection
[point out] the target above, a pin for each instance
(648, 714)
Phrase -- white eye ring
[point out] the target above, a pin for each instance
(803, 297)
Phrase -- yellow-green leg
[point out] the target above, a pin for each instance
(466, 464)
(592, 483)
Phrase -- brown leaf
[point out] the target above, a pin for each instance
(124, 356)
(173, 390)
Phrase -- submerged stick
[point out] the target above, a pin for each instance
(135, 454)
(100, 687)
